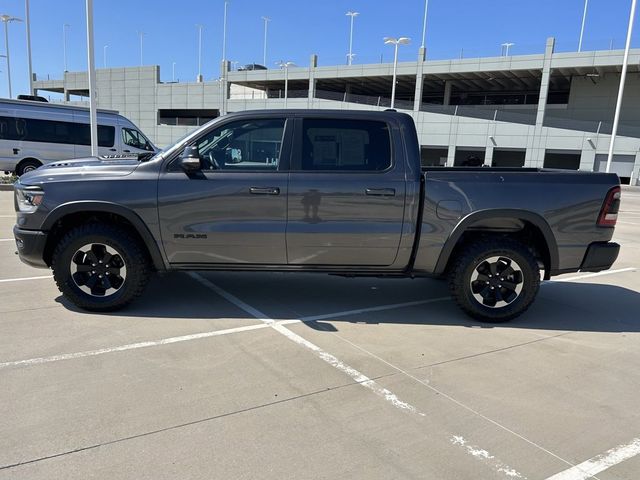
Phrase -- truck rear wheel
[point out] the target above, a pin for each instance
(495, 279)
(26, 166)
(100, 267)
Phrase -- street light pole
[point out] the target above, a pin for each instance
(28, 25)
(424, 23)
(623, 77)
(65, 27)
(584, 19)
(395, 42)
(141, 35)
(285, 66)
(104, 55)
(264, 54)
(199, 27)
(350, 55)
(173, 72)
(505, 48)
(224, 32)
(6, 19)
(93, 112)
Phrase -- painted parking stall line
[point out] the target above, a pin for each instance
(591, 275)
(600, 463)
(24, 279)
(131, 346)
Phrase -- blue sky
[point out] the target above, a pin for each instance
(298, 29)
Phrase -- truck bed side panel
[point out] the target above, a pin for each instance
(567, 202)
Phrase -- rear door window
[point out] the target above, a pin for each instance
(345, 145)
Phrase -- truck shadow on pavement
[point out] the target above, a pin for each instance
(562, 306)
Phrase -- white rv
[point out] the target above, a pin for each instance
(34, 133)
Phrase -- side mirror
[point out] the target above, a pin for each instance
(190, 160)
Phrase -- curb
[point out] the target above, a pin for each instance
(6, 187)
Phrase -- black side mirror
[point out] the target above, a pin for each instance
(190, 160)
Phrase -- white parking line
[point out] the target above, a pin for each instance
(357, 376)
(628, 223)
(483, 455)
(7, 216)
(7, 239)
(131, 346)
(600, 463)
(591, 275)
(23, 279)
(380, 308)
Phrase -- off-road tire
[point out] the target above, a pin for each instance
(472, 259)
(131, 252)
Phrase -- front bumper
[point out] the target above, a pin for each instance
(31, 245)
(600, 256)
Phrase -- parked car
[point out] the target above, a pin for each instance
(33, 133)
(251, 66)
(338, 192)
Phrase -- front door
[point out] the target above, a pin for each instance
(233, 211)
(346, 194)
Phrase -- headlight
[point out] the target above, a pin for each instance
(28, 200)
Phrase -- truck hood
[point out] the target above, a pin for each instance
(89, 168)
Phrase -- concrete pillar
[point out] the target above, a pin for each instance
(488, 155)
(635, 176)
(451, 155)
(535, 148)
(417, 97)
(447, 92)
(313, 63)
(224, 86)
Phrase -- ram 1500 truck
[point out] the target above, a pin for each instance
(340, 192)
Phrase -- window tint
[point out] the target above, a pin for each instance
(135, 139)
(53, 131)
(345, 145)
(243, 145)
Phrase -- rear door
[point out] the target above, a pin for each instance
(346, 193)
(233, 211)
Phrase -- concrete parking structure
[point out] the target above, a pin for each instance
(223, 375)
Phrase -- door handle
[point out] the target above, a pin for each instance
(264, 190)
(381, 192)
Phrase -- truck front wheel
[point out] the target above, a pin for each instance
(494, 279)
(100, 267)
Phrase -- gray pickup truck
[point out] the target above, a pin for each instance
(339, 192)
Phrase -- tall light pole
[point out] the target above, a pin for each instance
(395, 42)
(28, 25)
(93, 111)
(104, 55)
(285, 66)
(141, 35)
(623, 77)
(65, 28)
(199, 27)
(424, 23)
(350, 55)
(6, 19)
(264, 54)
(224, 31)
(173, 72)
(505, 48)
(584, 19)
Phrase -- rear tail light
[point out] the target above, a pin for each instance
(609, 213)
